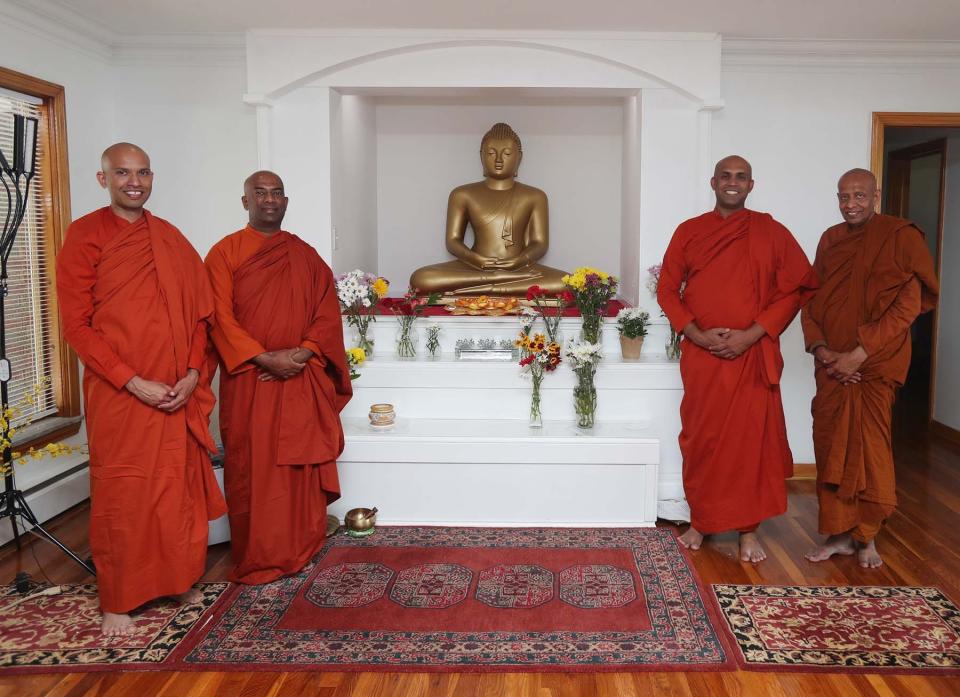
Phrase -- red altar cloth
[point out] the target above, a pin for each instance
(389, 306)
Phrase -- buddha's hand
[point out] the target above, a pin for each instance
(510, 264)
(481, 263)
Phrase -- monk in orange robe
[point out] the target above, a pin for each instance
(283, 382)
(732, 280)
(876, 276)
(136, 306)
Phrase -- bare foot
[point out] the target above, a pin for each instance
(835, 544)
(868, 555)
(190, 596)
(750, 548)
(692, 538)
(117, 625)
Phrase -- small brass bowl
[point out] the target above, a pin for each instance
(360, 519)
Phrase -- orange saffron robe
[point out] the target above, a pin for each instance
(733, 272)
(281, 438)
(875, 281)
(135, 300)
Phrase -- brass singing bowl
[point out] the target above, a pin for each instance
(360, 519)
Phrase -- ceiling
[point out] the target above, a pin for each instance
(807, 19)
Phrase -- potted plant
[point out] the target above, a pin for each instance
(632, 324)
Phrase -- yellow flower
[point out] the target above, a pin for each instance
(356, 355)
(380, 287)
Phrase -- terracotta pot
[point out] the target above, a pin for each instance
(630, 348)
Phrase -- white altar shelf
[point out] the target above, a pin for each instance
(501, 473)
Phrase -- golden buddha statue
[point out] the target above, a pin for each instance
(509, 222)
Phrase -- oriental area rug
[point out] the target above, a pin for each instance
(61, 633)
(425, 599)
(875, 629)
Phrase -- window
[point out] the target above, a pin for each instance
(37, 353)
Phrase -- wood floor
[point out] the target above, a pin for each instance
(921, 546)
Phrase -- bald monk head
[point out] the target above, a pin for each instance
(732, 182)
(858, 194)
(125, 172)
(265, 201)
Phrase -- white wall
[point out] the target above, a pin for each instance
(572, 150)
(87, 78)
(947, 406)
(201, 138)
(801, 128)
(354, 190)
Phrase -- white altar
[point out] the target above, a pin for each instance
(372, 129)
(462, 451)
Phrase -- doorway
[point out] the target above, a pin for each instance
(916, 158)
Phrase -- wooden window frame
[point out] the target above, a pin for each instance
(56, 204)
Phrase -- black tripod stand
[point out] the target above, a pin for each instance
(17, 177)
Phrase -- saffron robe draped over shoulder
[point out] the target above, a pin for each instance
(875, 281)
(281, 438)
(135, 300)
(732, 272)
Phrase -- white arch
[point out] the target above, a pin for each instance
(426, 46)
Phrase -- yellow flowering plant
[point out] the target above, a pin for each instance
(592, 291)
(355, 358)
(13, 413)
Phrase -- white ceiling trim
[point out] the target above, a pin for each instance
(181, 50)
(57, 24)
(845, 55)
(64, 26)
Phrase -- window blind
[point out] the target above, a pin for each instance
(27, 310)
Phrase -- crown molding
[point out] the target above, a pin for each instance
(58, 24)
(738, 53)
(211, 49)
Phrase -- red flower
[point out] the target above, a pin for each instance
(566, 296)
(534, 292)
(527, 360)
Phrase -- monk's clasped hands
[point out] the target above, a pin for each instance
(283, 364)
(178, 395)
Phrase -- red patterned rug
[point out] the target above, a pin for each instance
(467, 599)
(417, 599)
(52, 633)
(874, 629)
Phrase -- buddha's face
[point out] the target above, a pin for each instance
(500, 157)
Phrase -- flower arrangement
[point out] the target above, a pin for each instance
(410, 307)
(550, 307)
(632, 322)
(592, 291)
(539, 356)
(359, 293)
(584, 358)
(653, 283)
(433, 340)
(355, 358)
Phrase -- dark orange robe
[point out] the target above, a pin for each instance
(135, 300)
(874, 282)
(740, 270)
(281, 438)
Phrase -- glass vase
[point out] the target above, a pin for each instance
(673, 346)
(585, 396)
(590, 330)
(536, 418)
(364, 336)
(406, 341)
